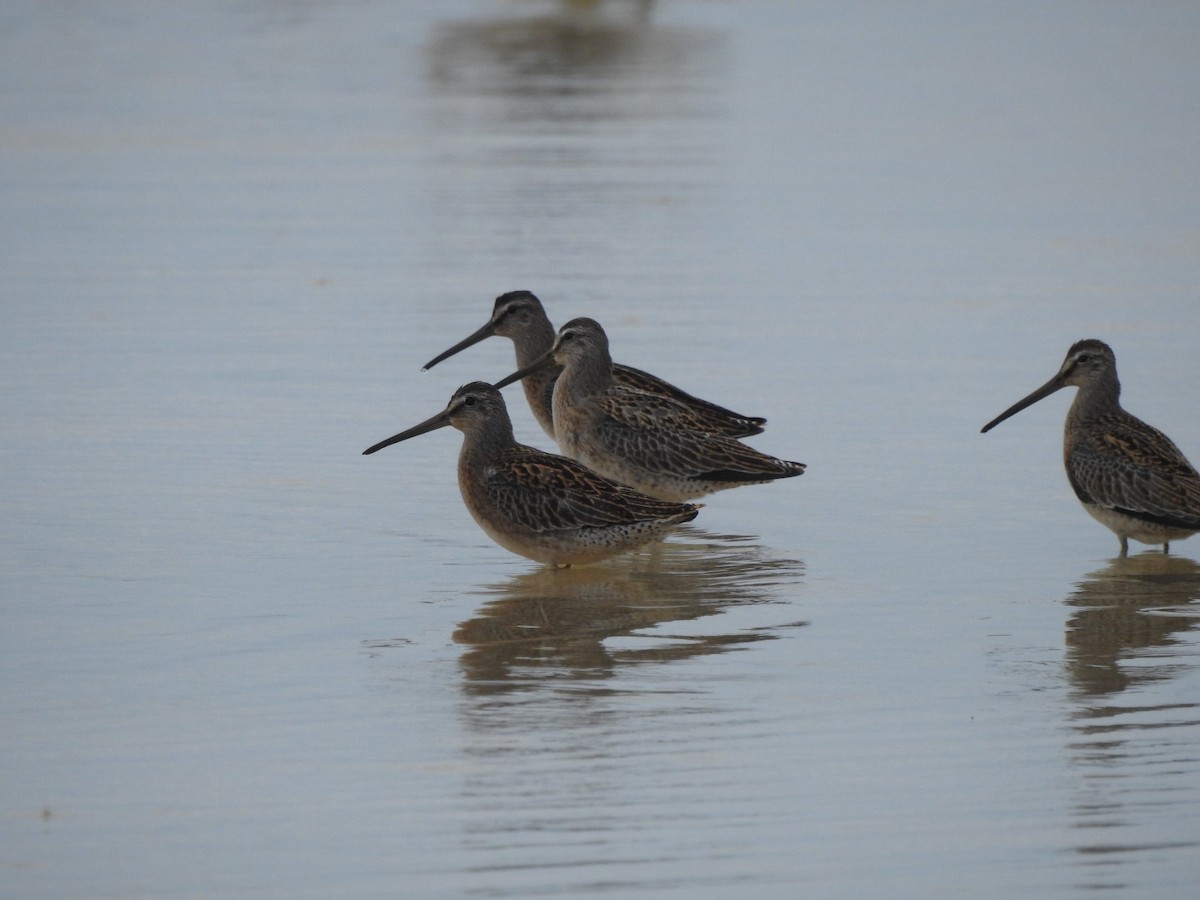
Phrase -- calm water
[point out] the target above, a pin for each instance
(239, 659)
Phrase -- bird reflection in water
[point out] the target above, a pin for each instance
(1134, 739)
(555, 623)
(1131, 606)
(596, 36)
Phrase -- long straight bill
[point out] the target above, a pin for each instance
(546, 359)
(1041, 393)
(482, 334)
(441, 420)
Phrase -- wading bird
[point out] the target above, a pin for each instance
(647, 441)
(541, 506)
(1130, 476)
(519, 315)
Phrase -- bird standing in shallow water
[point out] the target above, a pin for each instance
(519, 315)
(647, 441)
(538, 505)
(1130, 476)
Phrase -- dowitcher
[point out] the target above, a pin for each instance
(647, 441)
(538, 505)
(519, 315)
(1130, 476)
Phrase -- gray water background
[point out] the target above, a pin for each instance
(238, 659)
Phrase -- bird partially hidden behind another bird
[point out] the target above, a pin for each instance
(520, 316)
(647, 441)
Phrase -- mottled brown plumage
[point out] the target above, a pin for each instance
(519, 315)
(647, 441)
(538, 505)
(1128, 475)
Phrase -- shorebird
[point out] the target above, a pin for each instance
(519, 315)
(1130, 476)
(541, 506)
(647, 441)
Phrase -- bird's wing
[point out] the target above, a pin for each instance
(707, 416)
(544, 492)
(643, 429)
(1133, 468)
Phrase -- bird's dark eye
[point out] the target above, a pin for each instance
(1083, 358)
(469, 401)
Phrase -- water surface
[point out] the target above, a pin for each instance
(239, 659)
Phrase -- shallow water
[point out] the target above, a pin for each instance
(239, 659)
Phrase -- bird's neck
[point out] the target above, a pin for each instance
(582, 381)
(1095, 400)
(480, 444)
(533, 341)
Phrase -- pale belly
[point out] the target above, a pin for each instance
(1124, 526)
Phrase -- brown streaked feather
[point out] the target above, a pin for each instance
(1126, 465)
(706, 415)
(543, 492)
(520, 316)
(655, 444)
(540, 506)
(655, 432)
(1129, 476)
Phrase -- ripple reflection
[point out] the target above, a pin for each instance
(1136, 722)
(562, 622)
(577, 134)
(1126, 610)
(598, 734)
